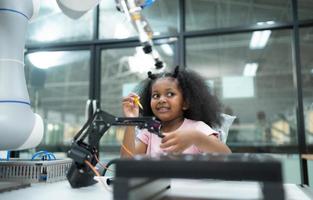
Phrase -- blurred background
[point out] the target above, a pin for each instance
(246, 49)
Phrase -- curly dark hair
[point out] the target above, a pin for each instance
(203, 105)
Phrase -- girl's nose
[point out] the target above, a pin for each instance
(162, 99)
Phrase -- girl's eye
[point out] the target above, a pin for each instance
(155, 96)
(170, 94)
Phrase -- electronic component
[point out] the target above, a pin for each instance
(33, 171)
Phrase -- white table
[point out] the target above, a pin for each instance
(179, 188)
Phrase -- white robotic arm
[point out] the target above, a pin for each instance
(132, 9)
(75, 9)
(20, 128)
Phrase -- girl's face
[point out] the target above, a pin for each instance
(167, 101)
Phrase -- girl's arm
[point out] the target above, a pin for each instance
(130, 146)
(179, 141)
(210, 143)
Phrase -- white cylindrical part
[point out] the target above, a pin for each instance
(36, 135)
(36, 7)
(20, 128)
(74, 9)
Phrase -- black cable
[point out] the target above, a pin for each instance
(107, 166)
(109, 181)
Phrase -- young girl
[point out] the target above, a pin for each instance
(187, 110)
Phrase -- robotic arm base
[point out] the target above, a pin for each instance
(80, 176)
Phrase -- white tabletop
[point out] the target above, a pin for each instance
(179, 188)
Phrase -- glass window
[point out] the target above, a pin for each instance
(51, 25)
(211, 14)
(58, 85)
(254, 81)
(305, 9)
(291, 168)
(162, 17)
(310, 171)
(121, 70)
(306, 48)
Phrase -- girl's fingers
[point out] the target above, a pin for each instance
(131, 98)
(173, 149)
(133, 95)
(167, 137)
(167, 144)
(128, 99)
(168, 150)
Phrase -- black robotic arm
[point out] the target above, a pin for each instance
(86, 149)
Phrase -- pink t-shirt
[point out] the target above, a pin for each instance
(153, 141)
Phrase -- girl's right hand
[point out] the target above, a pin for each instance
(130, 108)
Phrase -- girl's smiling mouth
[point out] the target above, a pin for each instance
(163, 109)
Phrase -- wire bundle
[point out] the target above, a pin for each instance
(44, 155)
